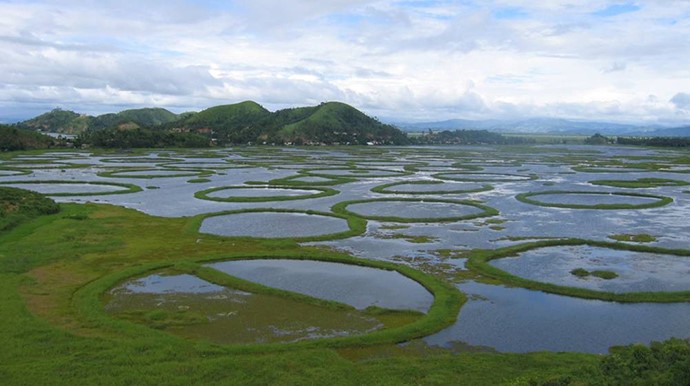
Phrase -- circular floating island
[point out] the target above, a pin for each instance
(355, 173)
(331, 301)
(10, 172)
(591, 269)
(593, 200)
(155, 173)
(262, 193)
(431, 187)
(485, 177)
(414, 209)
(281, 224)
(641, 183)
(310, 180)
(74, 188)
(140, 160)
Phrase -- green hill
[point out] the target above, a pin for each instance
(327, 123)
(69, 122)
(240, 123)
(12, 138)
(147, 117)
(236, 123)
(335, 122)
(58, 121)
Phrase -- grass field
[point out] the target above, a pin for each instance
(51, 334)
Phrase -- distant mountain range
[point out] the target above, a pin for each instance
(548, 125)
(240, 123)
(330, 122)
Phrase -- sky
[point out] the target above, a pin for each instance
(399, 60)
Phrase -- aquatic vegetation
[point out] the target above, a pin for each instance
(581, 272)
(295, 225)
(441, 207)
(263, 193)
(72, 187)
(428, 187)
(155, 173)
(58, 270)
(644, 200)
(479, 262)
(636, 238)
(640, 183)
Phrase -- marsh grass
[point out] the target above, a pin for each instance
(486, 211)
(641, 183)
(130, 188)
(635, 238)
(528, 199)
(321, 192)
(389, 188)
(356, 225)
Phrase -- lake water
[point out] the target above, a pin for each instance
(357, 286)
(637, 271)
(272, 224)
(508, 319)
(413, 209)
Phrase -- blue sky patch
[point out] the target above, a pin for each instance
(617, 9)
(509, 13)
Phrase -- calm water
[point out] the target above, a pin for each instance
(58, 188)
(357, 286)
(190, 307)
(271, 224)
(261, 192)
(413, 209)
(520, 320)
(592, 199)
(637, 271)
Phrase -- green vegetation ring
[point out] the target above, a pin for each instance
(501, 177)
(442, 313)
(202, 165)
(386, 188)
(479, 262)
(130, 188)
(322, 192)
(294, 181)
(16, 171)
(180, 173)
(356, 225)
(631, 168)
(142, 160)
(42, 165)
(640, 183)
(661, 200)
(486, 211)
(356, 173)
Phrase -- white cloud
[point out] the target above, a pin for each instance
(681, 101)
(398, 59)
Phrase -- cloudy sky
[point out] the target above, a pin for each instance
(398, 60)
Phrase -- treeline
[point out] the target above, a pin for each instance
(655, 141)
(12, 138)
(114, 138)
(598, 139)
(468, 137)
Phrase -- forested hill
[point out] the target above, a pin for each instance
(12, 138)
(327, 123)
(247, 122)
(69, 122)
